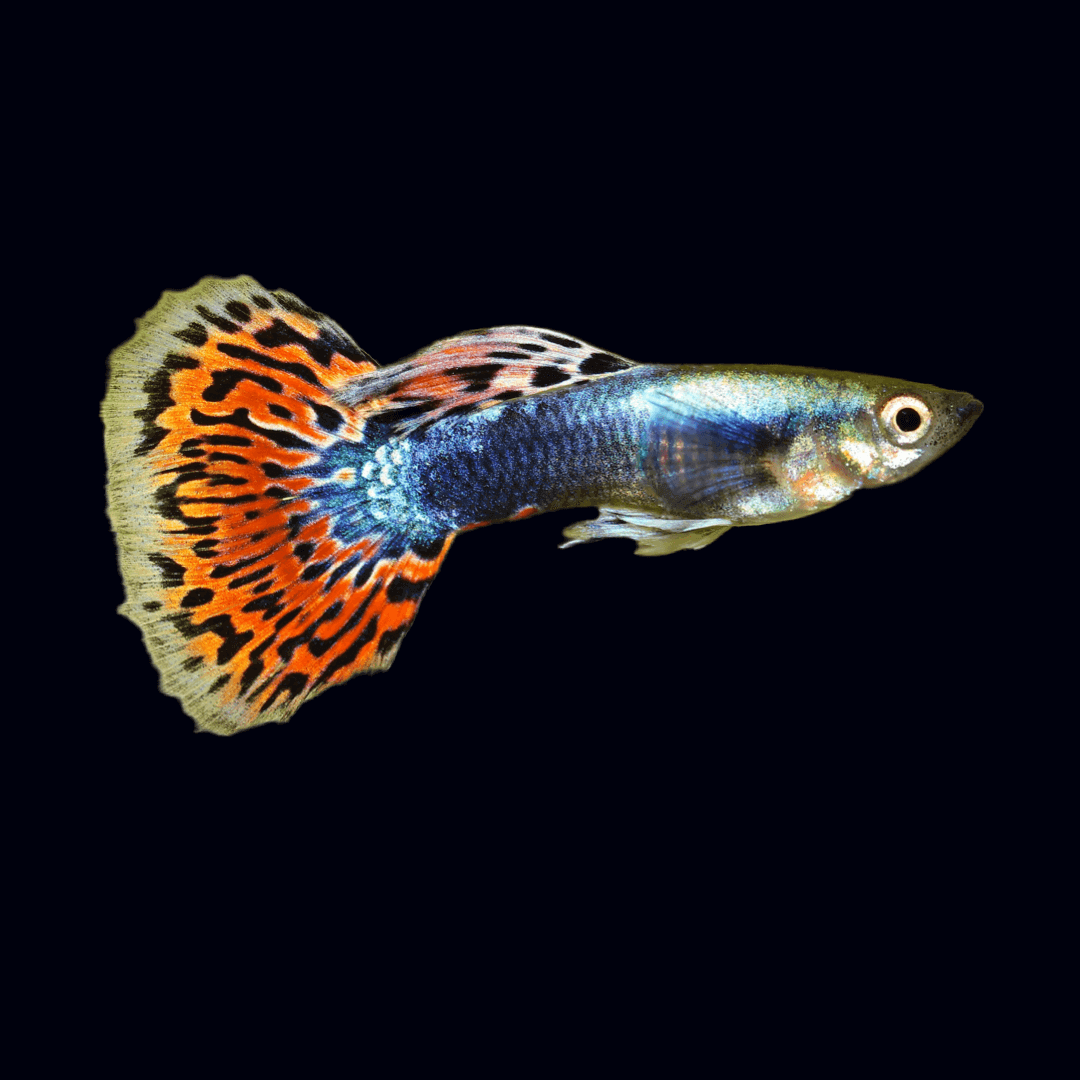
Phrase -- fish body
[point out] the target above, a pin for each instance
(281, 503)
(683, 442)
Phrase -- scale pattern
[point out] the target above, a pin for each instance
(257, 575)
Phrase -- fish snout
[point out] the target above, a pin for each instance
(969, 410)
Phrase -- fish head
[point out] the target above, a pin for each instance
(909, 425)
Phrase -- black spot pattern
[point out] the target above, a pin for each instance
(172, 573)
(327, 418)
(247, 579)
(548, 376)
(394, 416)
(193, 334)
(241, 419)
(601, 364)
(242, 352)
(270, 605)
(340, 571)
(158, 390)
(223, 383)
(223, 325)
(431, 551)
(353, 651)
(479, 376)
(389, 640)
(291, 684)
(402, 588)
(315, 570)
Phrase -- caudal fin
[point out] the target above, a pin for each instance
(260, 561)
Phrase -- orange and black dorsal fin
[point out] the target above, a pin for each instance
(253, 564)
(475, 370)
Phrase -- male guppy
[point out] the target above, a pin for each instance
(281, 504)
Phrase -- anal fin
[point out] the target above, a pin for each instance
(654, 535)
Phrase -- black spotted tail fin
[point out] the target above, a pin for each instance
(257, 561)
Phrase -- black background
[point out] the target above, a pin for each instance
(831, 658)
(807, 734)
(806, 617)
(851, 245)
(840, 218)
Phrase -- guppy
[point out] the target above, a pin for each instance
(281, 503)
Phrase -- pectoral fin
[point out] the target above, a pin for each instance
(702, 453)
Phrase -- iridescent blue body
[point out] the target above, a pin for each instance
(582, 446)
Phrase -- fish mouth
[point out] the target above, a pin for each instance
(969, 411)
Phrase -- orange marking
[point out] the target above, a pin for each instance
(300, 324)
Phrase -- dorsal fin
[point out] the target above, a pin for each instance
(474, 370)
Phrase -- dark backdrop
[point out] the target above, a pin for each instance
(836, 252)
(804, 725)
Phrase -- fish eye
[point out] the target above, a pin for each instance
(907, 418)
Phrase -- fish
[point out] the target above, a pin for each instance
(281, 503)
